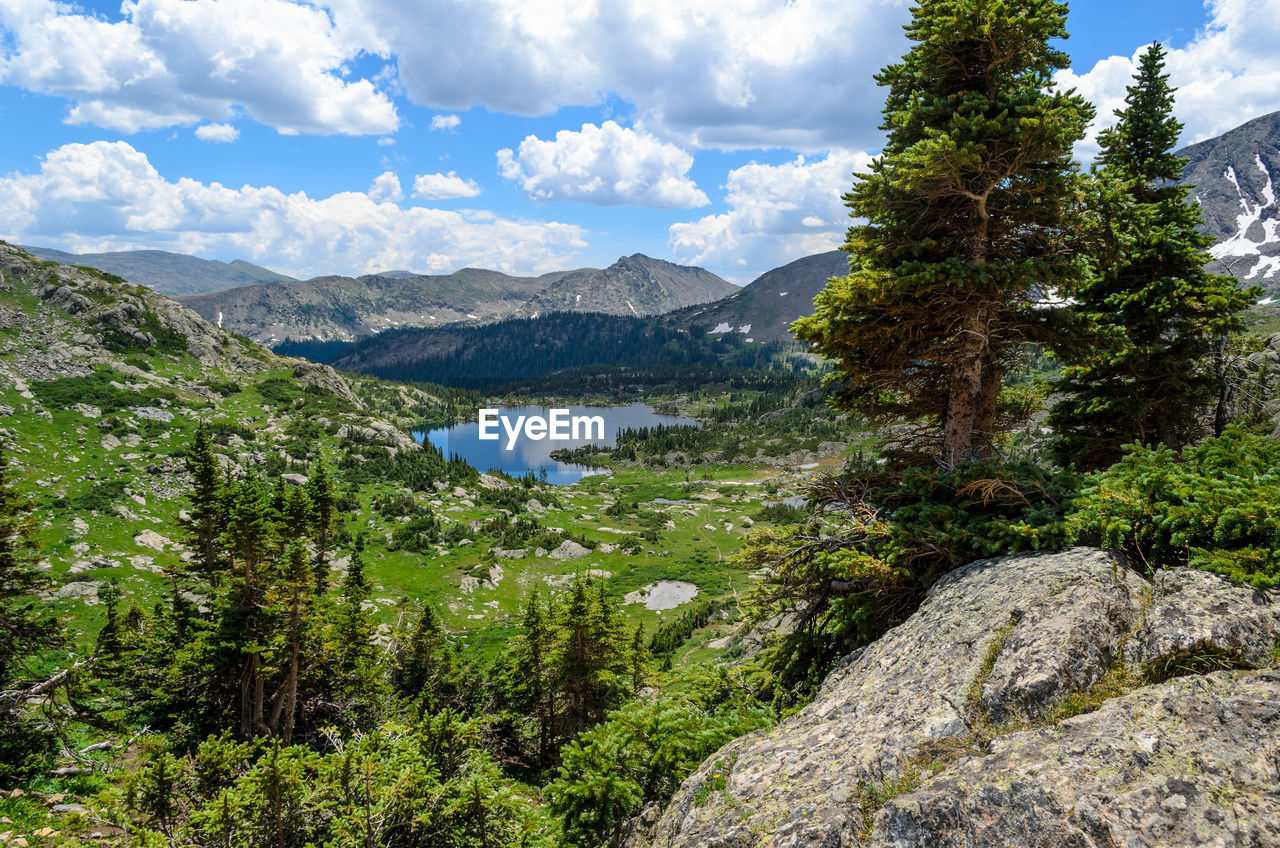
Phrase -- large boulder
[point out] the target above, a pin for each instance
(996, 639)
(950, 729)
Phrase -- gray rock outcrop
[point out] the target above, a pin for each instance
(945, 699)
(1191, 762)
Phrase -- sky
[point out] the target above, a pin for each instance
(353, 136)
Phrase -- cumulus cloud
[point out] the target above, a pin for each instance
(386, 188)
(777, 213)
(444, 186)
(217, 132)
(108, 196)
(175, 62)
(1228, 74)
(607, 165)
(445, 122)
(754, 73)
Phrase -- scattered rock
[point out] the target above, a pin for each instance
(151, 539)
(151, 413)
(569, 549)
(86, 410)
(295, 479)
(85, 590)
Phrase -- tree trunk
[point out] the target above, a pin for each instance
(248, 673)
(984, 429)
(965, 398)
(291, 697)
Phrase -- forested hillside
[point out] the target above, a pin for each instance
(519, 348)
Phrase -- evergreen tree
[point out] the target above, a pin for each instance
(250, 538)
(292, 598)
(423, 669)
(324, 512)
(968, 209)
(26, 625)
(26, 629)
(207, 518)
(1160, 313)
(534, 693)
(109, 637)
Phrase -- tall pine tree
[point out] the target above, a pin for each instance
(968, 209)
(1149, 294)
(26, 624)
(206, 519)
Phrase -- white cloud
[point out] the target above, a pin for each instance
(704, 73)
(386, 188)
(173, 62)
(445, 122)
(108, 196)
(444, 186)
(217, 132)
(606, 165)
(777, 213)
(1228, 74)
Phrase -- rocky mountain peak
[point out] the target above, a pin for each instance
(1235, 179)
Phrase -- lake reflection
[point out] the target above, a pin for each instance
(528, 455)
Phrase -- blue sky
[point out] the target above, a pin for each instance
(357, 135)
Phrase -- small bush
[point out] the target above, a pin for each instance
(94, 390)
(1215, 507)
(279, 390)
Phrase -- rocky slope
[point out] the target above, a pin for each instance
(344, 308)
(1235, 178)
(167, 273)
(764, 309)
(974, 724)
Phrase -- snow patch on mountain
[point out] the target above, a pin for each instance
(1256, 227)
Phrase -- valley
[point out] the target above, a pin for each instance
(99, 436)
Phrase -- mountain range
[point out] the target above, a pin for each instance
(168, 273)
(346, 308)
(1233, 178)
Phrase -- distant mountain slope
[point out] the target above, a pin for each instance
(634, 285)
(344, 308)
(1236, 177)
(167, 273)
(765, 308)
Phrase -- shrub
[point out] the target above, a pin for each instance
(881, 538)
(1215, 507)
(642, 752)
